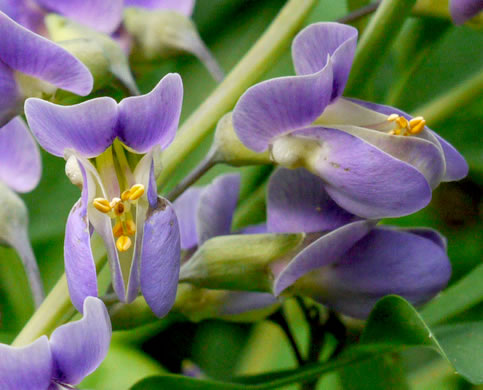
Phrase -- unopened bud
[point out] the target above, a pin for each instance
(238, 262)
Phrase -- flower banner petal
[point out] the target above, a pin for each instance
(216, 206)
(20, 163)
(79, 347)
(152, 119)
(26, 368)
(298, 202)
(36, 56)
(160, 258)
(278, 106)
(312, 47)
(414, 267)
(104, 16)
(88, 128)
(322, 252)
(184, 7)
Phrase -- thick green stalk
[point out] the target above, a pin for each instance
(57, 307)
(376, 42)
(251, 67)
(444, 106)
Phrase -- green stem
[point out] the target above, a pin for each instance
(204, 166)
(376, 41)
(57, 306)
(251, 67)
(444, 106)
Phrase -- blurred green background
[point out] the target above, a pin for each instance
(230, 27)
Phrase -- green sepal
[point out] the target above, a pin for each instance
(230, 150)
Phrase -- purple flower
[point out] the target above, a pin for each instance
(32, 66)
(20, 171)
(376, 161)
(463, 10)
(348, 263)
(112, 151)
(207, 212)
(74, 351)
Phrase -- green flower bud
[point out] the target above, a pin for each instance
(239, 262)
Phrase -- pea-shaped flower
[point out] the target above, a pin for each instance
(111, 149)
(32, 66)
(376, 161)
(74, 351)
(348, 263)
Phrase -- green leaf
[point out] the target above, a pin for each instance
(395, 322)
(463, 346)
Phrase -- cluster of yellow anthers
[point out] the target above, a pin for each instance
(120, 210)
(405, 127)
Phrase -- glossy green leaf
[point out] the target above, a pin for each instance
(463, 346)
(395, 322)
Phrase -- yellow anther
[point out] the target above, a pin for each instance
(137, 191)
(402, 122)
(118, 230)
(416, 125)
(102, 205)
(392, 117)
(125, 195)
(123, 243)
(130, 227)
